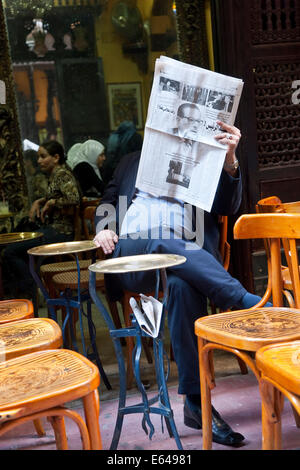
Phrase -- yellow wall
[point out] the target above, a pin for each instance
(119, 68)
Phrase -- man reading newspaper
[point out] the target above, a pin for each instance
(143, 222)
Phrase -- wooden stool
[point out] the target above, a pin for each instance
(279, 365)
(39, 384)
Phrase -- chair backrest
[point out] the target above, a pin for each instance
(274, 204)
(77, 223)
(85, 202)
(274, 227)
(88, 222)
(267, 201)
(224, 246)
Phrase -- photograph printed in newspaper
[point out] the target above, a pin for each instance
(148, 314)
(180, 157)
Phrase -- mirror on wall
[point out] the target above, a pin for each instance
(81, 67)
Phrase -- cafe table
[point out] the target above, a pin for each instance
(127, 264)
(67, 299)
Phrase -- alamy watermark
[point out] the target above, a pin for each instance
(296, 94)
(154, 221)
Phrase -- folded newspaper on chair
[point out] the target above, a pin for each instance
(148, 314)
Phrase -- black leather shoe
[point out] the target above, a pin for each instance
(221, 431)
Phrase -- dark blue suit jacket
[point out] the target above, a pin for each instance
(227, 199)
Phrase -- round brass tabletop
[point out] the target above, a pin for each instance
(63, 248)
(15, 237)
(6, 215)
(127, 264)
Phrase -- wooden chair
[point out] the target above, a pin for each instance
(15, 309)
(87, 224)
(224, 249)
(88, 230)
(19, 337)
(68, 280)
(279, 367)
(39, 385)
(59, 276)
(273, 204)
(243, 332)
(85, 202)
(84, 218)
(25, 336)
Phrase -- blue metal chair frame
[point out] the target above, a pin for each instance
(146, 406)
(69, 302)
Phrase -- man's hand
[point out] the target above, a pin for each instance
(230, 137)
(106, 239)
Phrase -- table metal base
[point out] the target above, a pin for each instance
(146, 407)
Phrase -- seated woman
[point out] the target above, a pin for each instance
(53, 214)
(86, 160)
(36, 181)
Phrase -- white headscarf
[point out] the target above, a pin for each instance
(72, 155)
(88, 152)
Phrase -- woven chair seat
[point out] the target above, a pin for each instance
(250, 329)
(64, 266)
(45, 375)
(15, 309)
(40, 384)
(69, 279)
(281, 363)
(26, 336)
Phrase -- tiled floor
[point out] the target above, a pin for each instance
(236, 397)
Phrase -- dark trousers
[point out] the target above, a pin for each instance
(189, 284)
(15, 260)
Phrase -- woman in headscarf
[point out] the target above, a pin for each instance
(124, 140)
(86, 160)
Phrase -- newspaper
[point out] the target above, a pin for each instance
(180, 156)
(148, 315)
